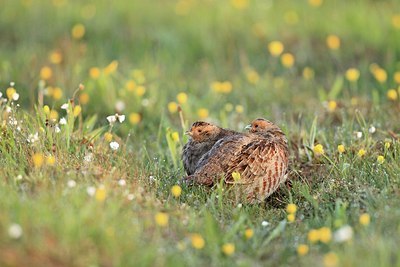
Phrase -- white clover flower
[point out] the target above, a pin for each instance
(114, 145)
(359, 135)
(64, 106)
(15, 96)
(91, 190)
(71, 183)
(119, 105)
(343, 234)
(265, 223)
(57, 129)
(63, 121)
(15, 231)
(240, 205)
(121, 182)
(1, 94)
(111, 119)
(372, 129)
(12, 84)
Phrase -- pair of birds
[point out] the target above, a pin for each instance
(257, 160)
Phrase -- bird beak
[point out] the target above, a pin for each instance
(248, 127)
(188, 133)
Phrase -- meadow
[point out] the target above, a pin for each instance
(95, 97)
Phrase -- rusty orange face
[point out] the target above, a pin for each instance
(201, 131)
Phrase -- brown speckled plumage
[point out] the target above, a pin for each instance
(203, 136)
(261, 158)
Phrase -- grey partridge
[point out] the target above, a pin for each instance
(259, 157)
(203, 136)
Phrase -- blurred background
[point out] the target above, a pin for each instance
(225, 60)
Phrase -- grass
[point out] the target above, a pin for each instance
(68, 199)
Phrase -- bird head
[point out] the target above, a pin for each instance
(202, 131)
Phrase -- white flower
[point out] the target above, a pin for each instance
(91, 190)
(111, 119)
(265, 223)
(64, 106)
(121, 118)
(372, 129)
(12, 84)
(88, 157)
(359, 135)
(343, 234)
(71, 183)
(1, 94)
(240, 205)
(19, 177)
(8, 109)
(63, 121)
(15, 231)
(119, 105)
(122, 182)
(32, 138)
(15, 96)
(114, 145)
(57, 129)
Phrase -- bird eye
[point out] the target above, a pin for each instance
(199, 130)
(256, 126)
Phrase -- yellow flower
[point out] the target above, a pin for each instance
(325, 234)
(248, 233)
(332, 105)
(130, 85)
(53, 114)
(108, 136)
(100, 194)
(252, 76)
(175, 136)
(46, 73)
(228, 249)
(172, 107)
(140, 90)
(361, 152)
(77, 110)
(330, 259)
(197, 241)
(291, 217)
(396, 21)
(202, 113)
(37, 160)
(302, 249)
(308, 73)
(10, 92)
(341, 149)
(57, 93)
(333, 42)
(240, 4)
(392, 95)
(379, 74)
(318, 150)
(364, 219)
(176, 190)
(287, 60)
(134, 118)
(78, 31)
(84, 98)
(313, 236)
(275, 48)
(352, 74)
(111, 68)
(182, 98)
(380, 159)
(236, 176)
(222, 87)
(239, 109)
(50, 160)
(396, 77)
(291, 208)
(55, 57)
(46, 109)
(161, 219)
(315, 3)
(94, 73)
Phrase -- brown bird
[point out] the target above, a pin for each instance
(203, 136)
(259, 160)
